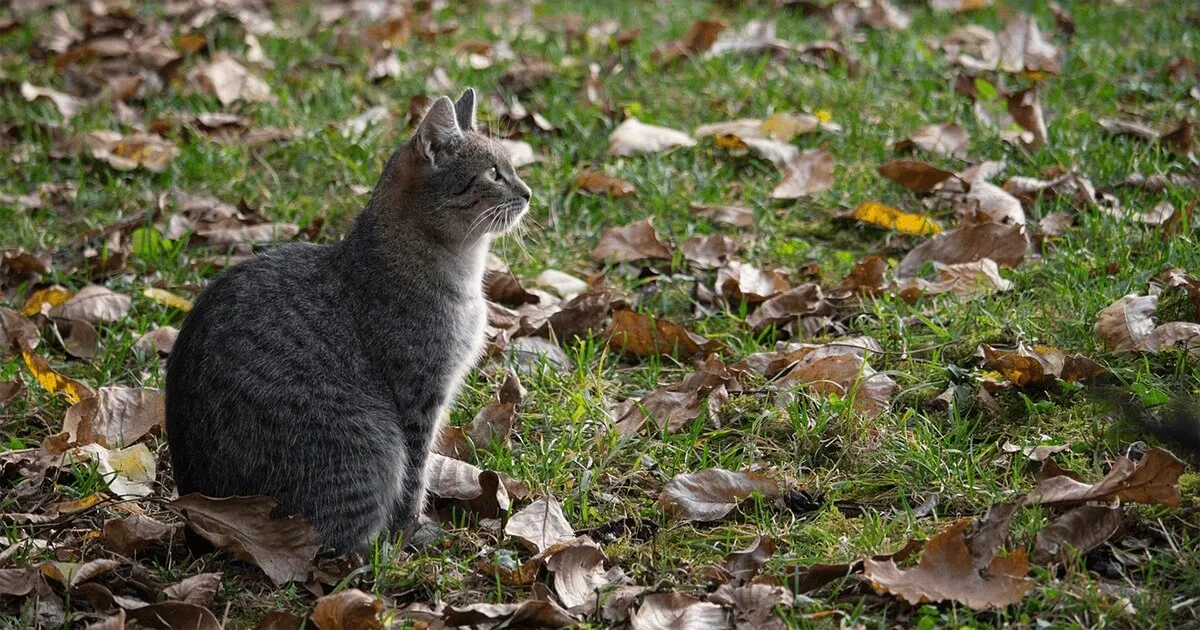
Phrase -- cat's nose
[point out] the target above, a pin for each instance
(525, 192)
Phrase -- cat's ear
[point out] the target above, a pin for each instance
(438, 130)
(464, 108)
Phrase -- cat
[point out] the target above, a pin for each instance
(317, 374)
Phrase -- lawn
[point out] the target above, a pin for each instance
(841, 471)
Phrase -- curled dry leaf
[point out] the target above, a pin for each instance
(1039, 366)
(995, 203)
(1127, 323)
(94, 304)
(1005, 244)
(531, 613)
(1181, 139)
(283, 548)
(131, 534)
(561, 283)
(700, 37)
(115, 416)
(579, 572)
(16, 331)
(671, 408)
(197, 589)
(160, 340)
(52, 381)
(945, 572)
(1023, 48)
(350, 609)
(126, 153)
(735, 216)
(741, 566)
(971, 278)
(787, 307)
(946, 140)
(129, 472)
(709, 252)
(915, 175)
(230, 81)
(671, 611)
(1082, 529)
(809, 173)
(743, 282)
(754, 605)
(641, 335)
(172, 615)
(841, 370)
(1025, 107)
(81, 339)
(629, 243)
(71, 574)
(1158, 215)
(634, 137)
(66, 104)
(483, 492)
(540, 525)
(710, 494)
(1153, 479)
(891, 218)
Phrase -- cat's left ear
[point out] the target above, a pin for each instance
(438, 130)
(464, 109)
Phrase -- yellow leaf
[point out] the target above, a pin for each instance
(823, 115)
(68, 507)
(52, 381)
(888, 217)
(168, 299)
(53, 296)
(784, 126)
(732, 142)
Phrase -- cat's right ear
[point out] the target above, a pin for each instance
(437, 131)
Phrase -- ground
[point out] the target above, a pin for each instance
(867, 474)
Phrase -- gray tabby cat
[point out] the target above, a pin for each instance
(316, 375)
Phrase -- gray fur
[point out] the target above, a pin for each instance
(317, 375)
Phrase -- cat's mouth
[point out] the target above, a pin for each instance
(507, 215)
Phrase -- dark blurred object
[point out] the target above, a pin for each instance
(1176, 423)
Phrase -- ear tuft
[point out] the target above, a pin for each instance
(464, 109)
(438, 129)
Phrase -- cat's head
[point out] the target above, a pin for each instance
(454, 181)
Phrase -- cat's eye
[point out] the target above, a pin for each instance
(491, 173)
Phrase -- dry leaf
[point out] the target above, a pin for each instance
(994, 203)
(484, 492)
(16, 331)
(94, 304)
(709, 252)
(540, 525)
(1038, 366)
(167, 298)
(597, 182)
(71, 574)
(1024, 49)
(52, 381)
(563, 284)
(172, 615)
(131, 534)
(350, 609)
(710, 494)
(1127, 323)
(1025, 107)
(642, 336)
(754, 604)
(520, 153)
(1083, 529)
(1005, 244)
(258, 233)
(671, 408)
(230, 81)
(66, 104)
(1185, 335)
(283, 548)
(676, 611)
(700, 37)
(787, 307)
(115, 416)
(129, 472)
(945, 573)
(743, 565)
(160, 340)
(971, 278)
(841, 370)
(742, 282)
(43, 300)
(81, 340)
(914, 175)
(736, 216)
(197, 589)
(126, 153)
(629, 243)
(579, 572)
(1153, 479)
(807, 174)
(634, 137)
(891, 218)
(946, 140)
(527, 614)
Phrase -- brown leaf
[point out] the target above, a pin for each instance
(483, 492)
(1005, 244)
(18, 265)
(9, 390)
(1153, 479)
(527, 614)
(867, 278)
(945, 573)
(840, 370)
(504, 288)
(709, 252)
(743, 565)
(787, 307)
(126, 153)
(1083, 528)
(131, 534)
(1158, 215)
(710, 494)
(81, 339)
(160, 340)
(1056, 223)
(807, 174)
(579, 572)
(1127, 323)
(540, 525)
(66, 104)
(980, 276)
(1035, 453)
(1181, 139)
(350, 609)
(1185, 335)
(230, 81)
(915, 175)
(804, 579)
(1038, 365)
(580, 317)
(70, 574)
(634, 137)
(700, 37)
(629, 243)
(173, 615)
(736, 216)
(1025, 107)
(279, 620)
(946, 140)
(1024, 49)
(743, 282)
(94, 304)
(283, 548)
(197, 589)
(754, 605)
(18, 581)
(597, 182)
(673, 611)
(115, 416)
(643, 336)
(671, 408)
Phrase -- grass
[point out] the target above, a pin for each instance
(883, 467)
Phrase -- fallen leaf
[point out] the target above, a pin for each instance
(160, 340)
(1185, 335)
(1038, 365)
(1153, 479)
(129, 472)
(1004, 244)
(66, 104)
(579, 573)
(971, 278)
(1125, 324)
(915, 175)
(131, 534)
(172, 615)
(563, 284)
(807, 174)
(81, 340)
(735, 216)
(743, 282)
(94, 304)
(540, 525)
(1036, 453)
(993, 202)
(597, 182)
(743, 565)
(1158, 215)
(520, 153)
(804, 579)
(19, 581)
(230, 81)
(283, 548)
(42, 300)
(527, 614)
(71, 574)
(671, 408)
(787, 307)
(866, 278)
(1181, 139)
(126, 153)
(504, 288)
(10, 390)
(643, 336)
(258, 233)
(52, 381)
(1083, 529)
(629, 243)
(1025, 107)
(166, 298)
(754, 605)
(700, 37)
(115, 416)
(891, 218)
(710, 494)
(1056, 223)
(350, 609)
(709, 252)
(483, 492)
(197, 589)
(946, 140)
(633, 137)
(1023, 48)
(841, 370)
(945, 573)
(674, 611)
